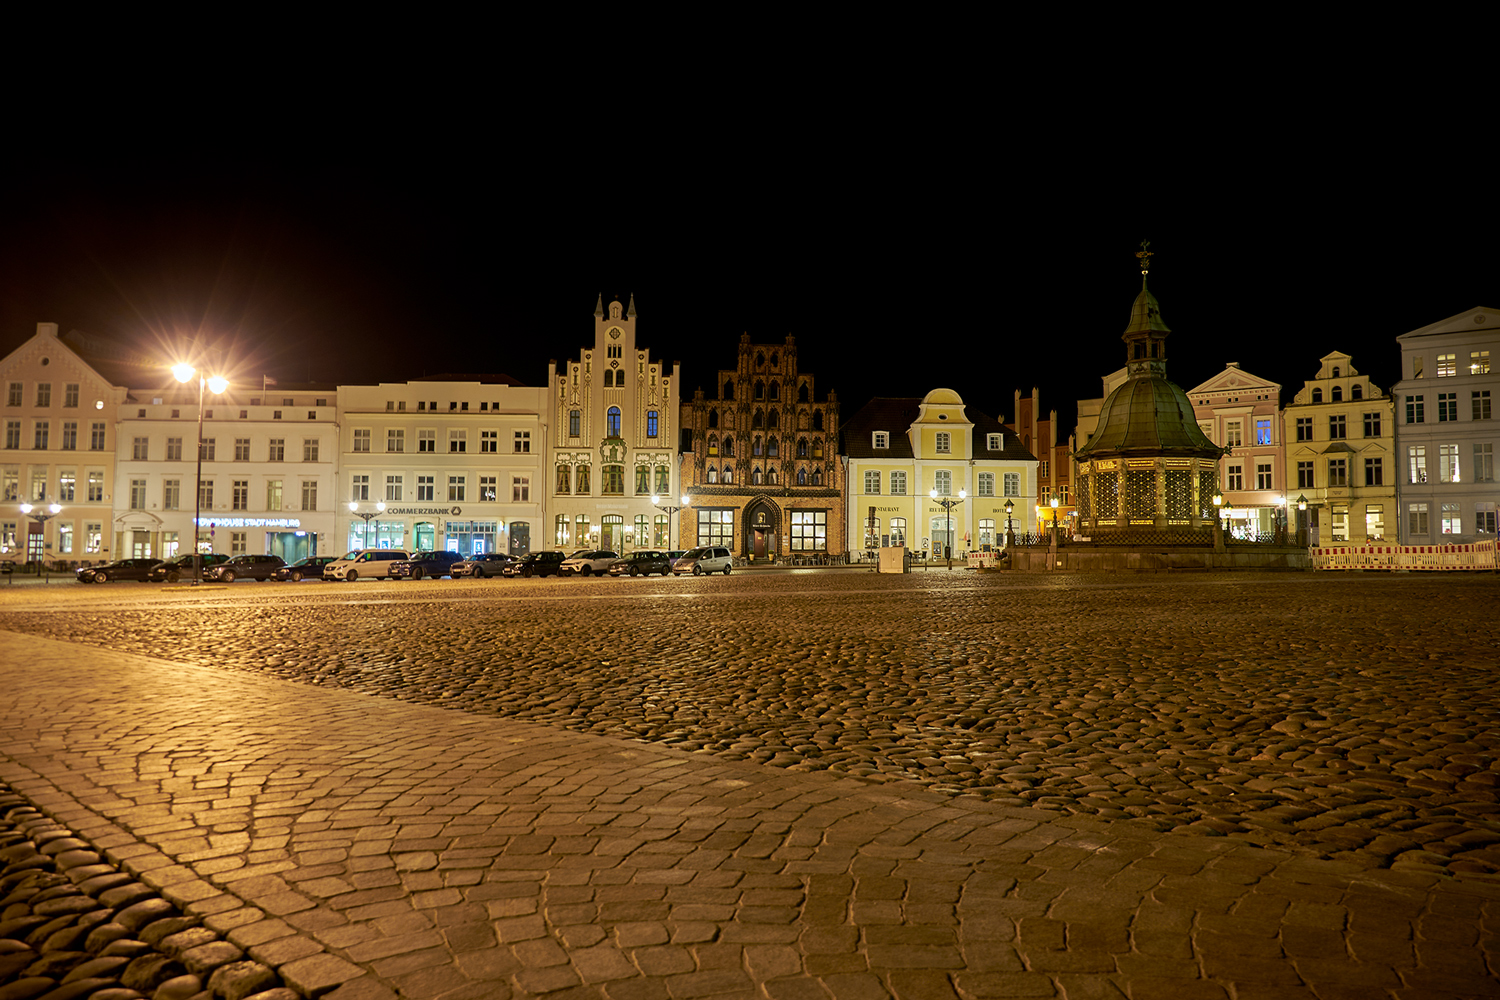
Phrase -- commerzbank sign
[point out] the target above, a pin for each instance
(452, 511)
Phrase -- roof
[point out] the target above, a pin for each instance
(1148, 415)
(897, 414)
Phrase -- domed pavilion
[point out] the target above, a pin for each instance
(1148, 473)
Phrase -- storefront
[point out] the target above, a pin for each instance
(426, 529)
(286, 537)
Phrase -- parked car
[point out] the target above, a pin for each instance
(484, 565)
(181, 567)
(120, 569)
(312, 566)
(258, 567)
(704, 559)
(434, 564)
(586, 563)
(674, 555)
(642, 562)
(374, 563)
(543, 563)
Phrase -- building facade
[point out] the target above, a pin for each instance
(898, 453)
(761, 467)
(1241, 412)
(1445, 430)
(614, 411)
(1038, 435)
(1340, 431)
(447, 462)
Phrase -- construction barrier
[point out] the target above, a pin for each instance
(1471, 556)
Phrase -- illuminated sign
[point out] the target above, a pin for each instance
(455, 511)
(251, 522)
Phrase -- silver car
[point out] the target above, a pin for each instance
(586, 563)
(704, 559)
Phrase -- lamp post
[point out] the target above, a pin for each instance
(41, 517)
(1302, 520)
(1010, 535)
(948, 503)
(216, 383)
(367, 514)
(1054, 503)
(671, 511)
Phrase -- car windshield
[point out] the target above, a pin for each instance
(352, 555)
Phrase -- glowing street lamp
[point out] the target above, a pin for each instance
(40, 517)
(671, 511)
(216, 384)
(367, 514)
(948, 503)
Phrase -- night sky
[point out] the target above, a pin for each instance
(899, 268)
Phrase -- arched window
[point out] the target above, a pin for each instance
(773, 448)
(1335, 371)
(817, 447)
(758, 421)
(713, 444)
(612, 422)
(760, 390)
(817, 420)
(728, 474)
(802, 447)
(1357, 392)
(775, 360)
(713, 474)
(729, 390)
(728, 445)
(756, 449)
(609, 378)
(760, 360)
(817, 477)
(801, 477)
(775, 389)
(771, 476)
(802, 393)
(755, 477)
(773, 420)
(713, 418)
(1317, 395)
(1338, 394)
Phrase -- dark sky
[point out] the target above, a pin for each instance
(901, 263)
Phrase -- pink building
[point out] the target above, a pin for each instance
(1241, 411)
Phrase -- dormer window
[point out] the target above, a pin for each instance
(994, 442)
(882, 440)
(942, 443)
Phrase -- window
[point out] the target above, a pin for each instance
(237, 541)
(361, 439)
(872, 482)
(993, 442)
(1338, 472)
(1479, 402)
(564, 480)
(1447, 406)
(487, 489)
(242, 447)
(393, 488)
(1317, 395)
(1479, 363)
(171, 494)
(309, 453)
(395, 440)
(67, 486)
(1263, 475)
(574, 419)
(1448, 464)
(1416, 463)
(205, 494)
(521, 443)
(715, 527)
(1012, 484)
(39, 485)
(1452, 521)
(560, 530)
(1234, 478)
(458, 442)
(456, 488)
(275, 414)
(651, 423)
(986, 484)
(1372, 425)
(137, 494)
(273, 494)
(360, 489)
(612, 480)
(1232, 434)
(1263, 430)
(13, 434)
(942, 443)
(239, 494)
(426, 487)
(612, 422)
(1374, 522)
(309, 494)
(1304, 429)
(642, 480)
(426, 441)
(70, 434)
(44, 394)
(1414, 409)
(13, 396)
(1340, 524)
(43, 428)
(1338, 394)
(581, 484)
(881, 440)
(942, 481)
(520, 489)
(65, 539)
(1416, 518)
(276, 450)
(1336, 427)
(96, 437)
(1304, 475)
(1484, 463)
(1041, 469)
(489, 442)
(140, 448)
(1447, 365)
(96, 487)
(809, 530)
(898, 484)
(1374, 472)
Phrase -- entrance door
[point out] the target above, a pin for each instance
(140, 544)
(520, 538)
(760, 542)
(612, 533)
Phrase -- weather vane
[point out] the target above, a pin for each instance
(1144, 256)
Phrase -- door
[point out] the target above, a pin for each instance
(520, 538)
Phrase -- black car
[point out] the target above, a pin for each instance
(239, 567)
(536, 564)
(642, 562)
(120, 569)
(312, 566)
(181, 568)
(434, 564)
(485, 564)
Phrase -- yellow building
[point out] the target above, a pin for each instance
(900, 452)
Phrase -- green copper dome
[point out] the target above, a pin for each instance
(1148, 415)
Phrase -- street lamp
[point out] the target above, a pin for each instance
(367, 514)
(1054, 524)
(1302, 519)
(216, 384)
(948, 503)
(40, 517)
(1010, 534)
(671, 511)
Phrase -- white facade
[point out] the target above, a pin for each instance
(268, 481)
(1446, 434)
(615, 415)
(457, 464)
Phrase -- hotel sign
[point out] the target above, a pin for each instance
(250, 522)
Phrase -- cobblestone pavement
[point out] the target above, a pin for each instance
(363, 846)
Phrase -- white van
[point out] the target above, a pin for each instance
(372, 563)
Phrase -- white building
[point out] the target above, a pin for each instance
(1445, 429)
(268, 479)
(456, 460)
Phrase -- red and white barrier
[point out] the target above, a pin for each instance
(1379, 555)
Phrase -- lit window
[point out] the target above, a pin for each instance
(1447, 365)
